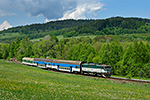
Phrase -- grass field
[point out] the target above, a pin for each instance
(9, 35)
(26, 82)
(61, 37)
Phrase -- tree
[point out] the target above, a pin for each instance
(4, 50)
(134, 58)
(0, 51)
(47, 37)
(90, 57)
(11, 49)
(104, 54)
(54, 39)
(111, 54)
(146, 70)
(96, 59)
(24, 49)
(42, 47)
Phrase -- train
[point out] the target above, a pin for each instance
(69, 66)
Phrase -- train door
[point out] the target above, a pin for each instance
(45, 65)
(70, 68)
(57, 67)
(37, 64)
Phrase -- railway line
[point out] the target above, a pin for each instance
(110, 78)
(131, 80)
(93, 76)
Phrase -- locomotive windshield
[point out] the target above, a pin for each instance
(107, 66)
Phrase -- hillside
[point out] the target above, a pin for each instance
(40, 30)
(112, 26)
(70, 28)
(26, 82)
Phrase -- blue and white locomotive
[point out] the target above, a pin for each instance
(70, 66)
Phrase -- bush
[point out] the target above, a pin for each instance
(129, 75)
(96, 59)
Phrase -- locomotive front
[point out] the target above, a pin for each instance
(106, 70)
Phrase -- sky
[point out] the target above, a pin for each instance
(26, 12)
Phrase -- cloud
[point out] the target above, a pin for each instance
(46, 20)
(54, 9)
(50, 9)
(5, 13)
(85, 9)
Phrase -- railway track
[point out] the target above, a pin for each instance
(111, 78)
(131, 80)
(89, 75)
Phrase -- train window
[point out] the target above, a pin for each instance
(53, 64)
(76, 66)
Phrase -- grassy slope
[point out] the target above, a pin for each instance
(9, 35)
(61, 37)
(121, 38)
(25, 82)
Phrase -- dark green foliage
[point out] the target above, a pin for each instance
(24, 49)
(34, 31)
(134, 59)
(54, 38)
(113, 26)
(104, 54)
(96, 59)
(146, 70)
(70, 28)
(111, 54)
(4, 51)
(41, 48)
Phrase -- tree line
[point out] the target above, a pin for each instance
(126, 58)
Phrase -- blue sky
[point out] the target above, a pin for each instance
(23, 12)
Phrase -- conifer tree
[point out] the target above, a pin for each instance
(134, 58)
(127, 60)
(104, 54)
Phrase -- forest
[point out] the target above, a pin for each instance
(123, 43)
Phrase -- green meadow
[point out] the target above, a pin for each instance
(9, 35)
(61, 37)
(20, 82)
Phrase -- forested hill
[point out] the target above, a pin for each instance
(113, 26)
(40, 30)
(70, 27)
(46, 27)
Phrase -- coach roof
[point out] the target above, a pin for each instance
(43, 59)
